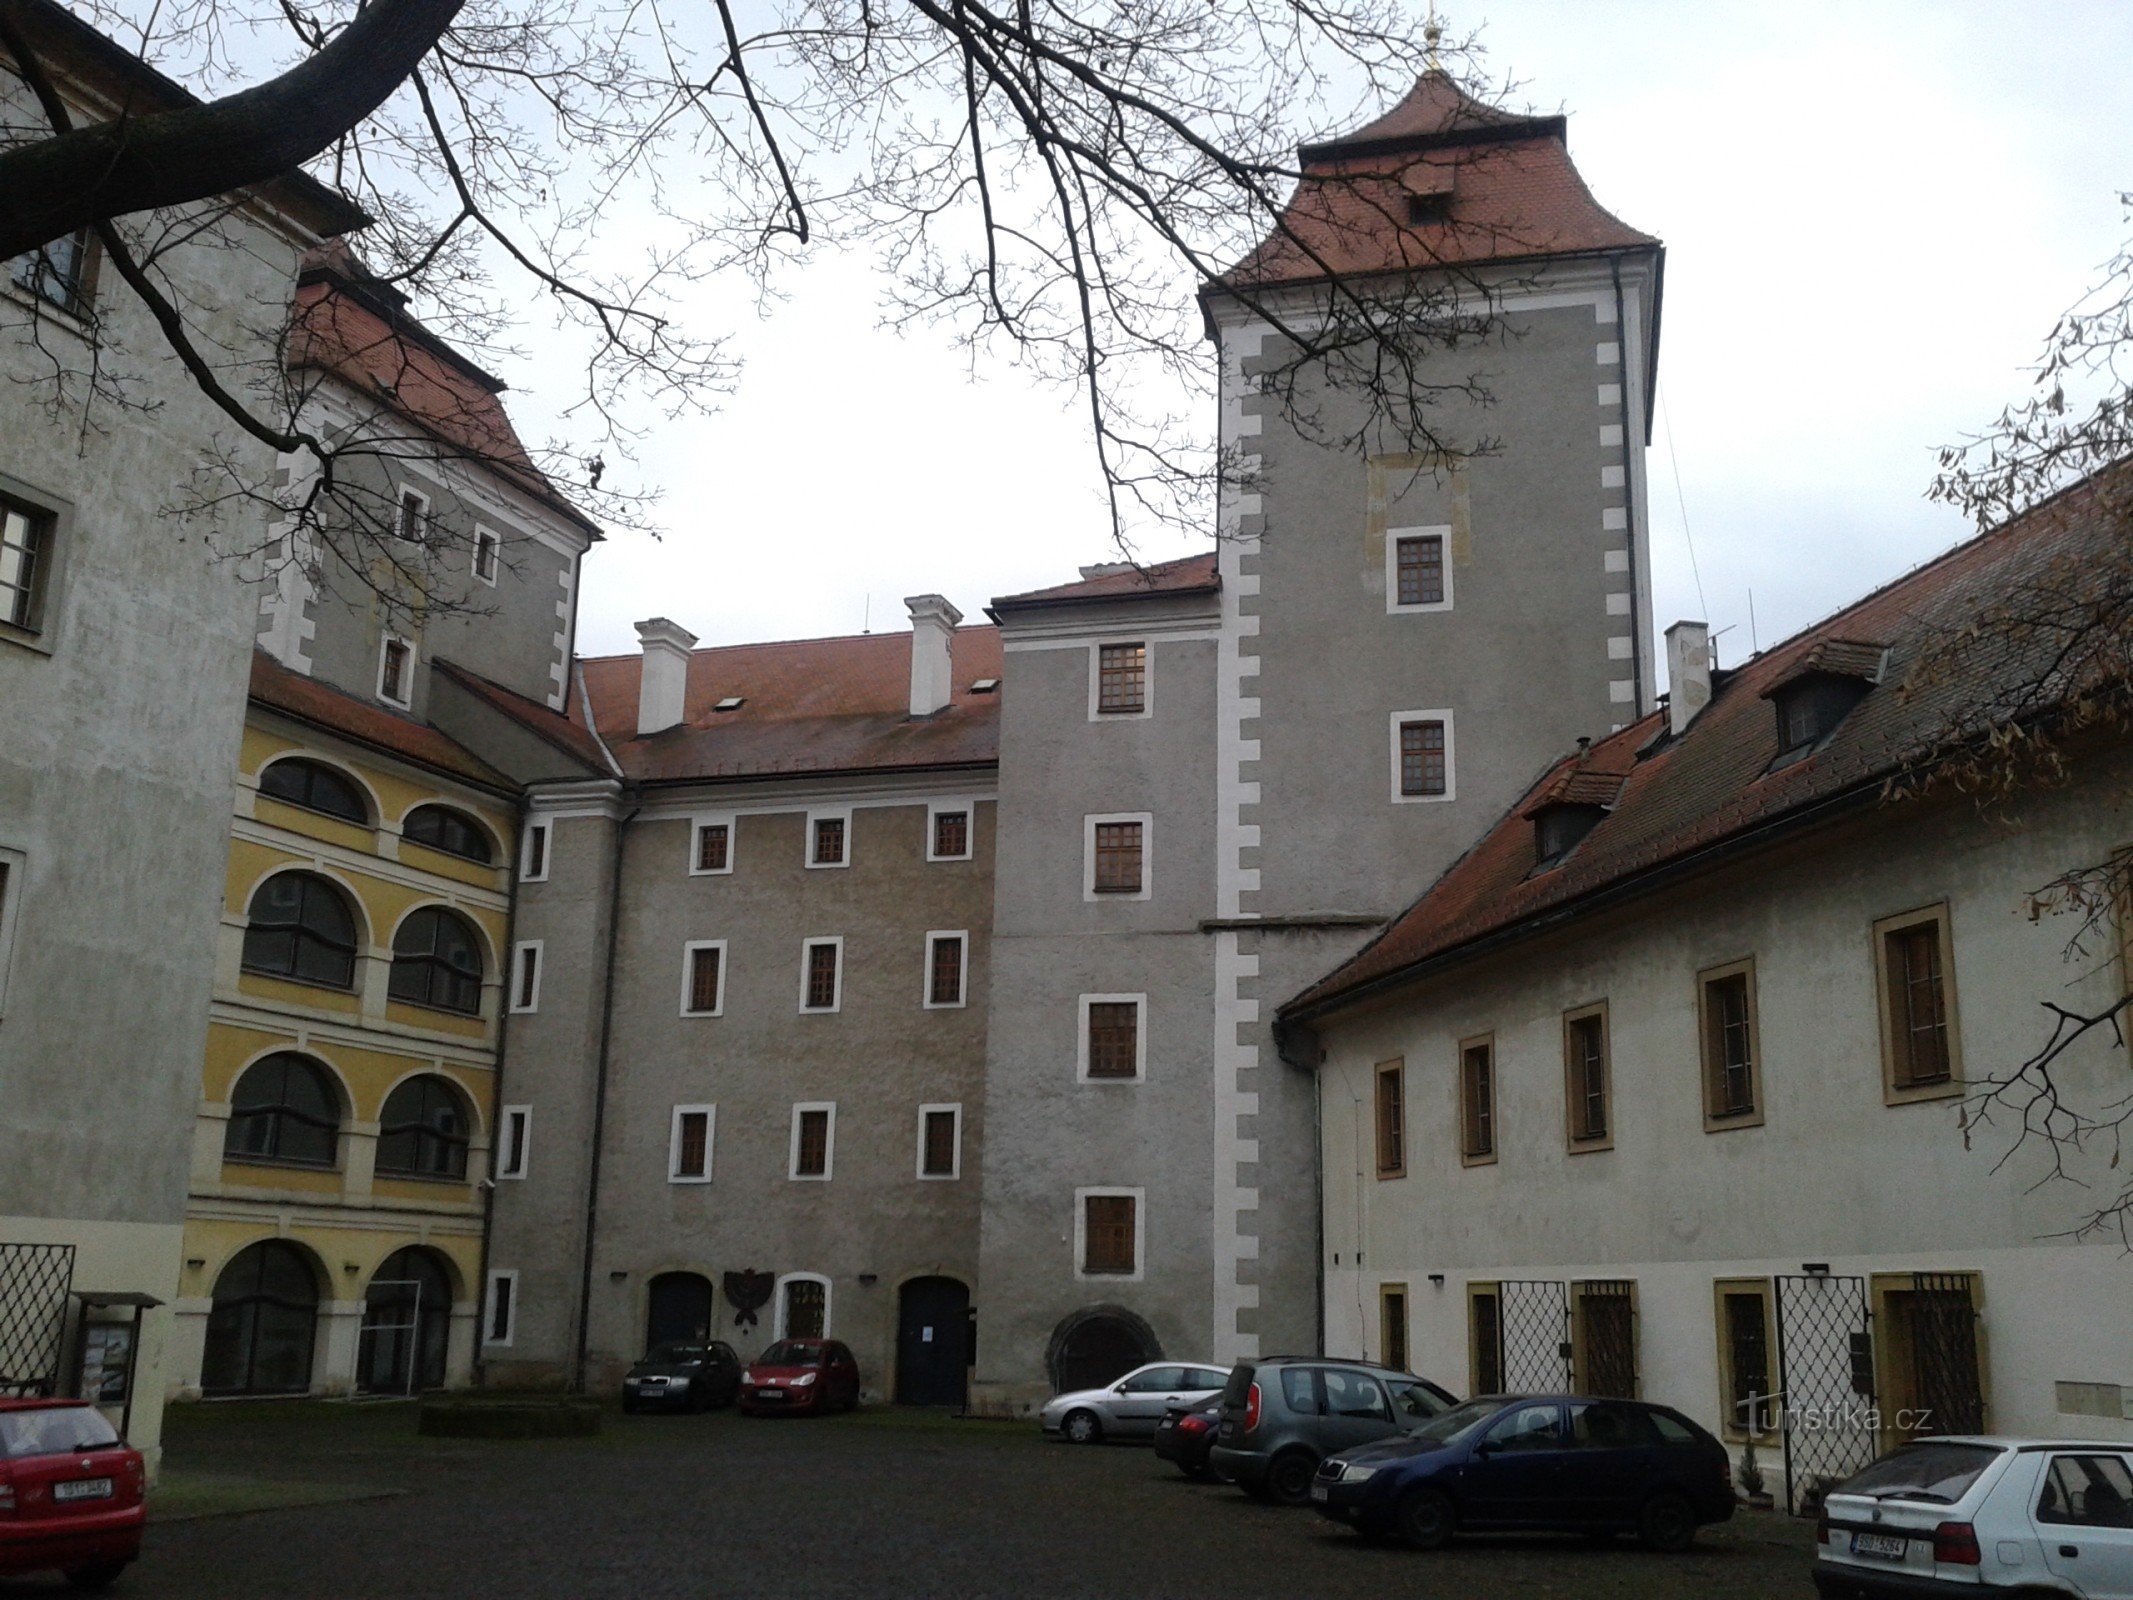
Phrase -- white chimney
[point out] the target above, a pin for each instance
(933, 622)
(664, 686)
(1688, 672)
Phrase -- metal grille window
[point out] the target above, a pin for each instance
(1420, 563)
(1122, 678)
(938, 1152)
(711, 843)
(944, 983)
(1392, 1120)
(300, 928)
(811, 1146)
(284, 1109)
(316, 787)
(1107, 1233)
(35, 1280)
(1477, 1100)
(1585, 1069)
(437, 963)
(951, 834)
(423, 1130)
(829, 841)
(806, 1309)
(1729, 1044)
(692, 1144)
(1114, 1038)
(704, 969)
(1749, 1406)
(1606, 1354)
(1422, 770)
(822, 976)
(1917, 1002)
(1118, 858)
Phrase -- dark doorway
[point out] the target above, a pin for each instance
(1091, 1348)
(679, 1311)
(407, 1324)
(932, 1343)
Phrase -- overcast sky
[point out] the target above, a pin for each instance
(1873, 211)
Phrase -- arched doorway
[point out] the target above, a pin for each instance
(933, 1342)
(264, 1324)
(678, 1310)
(407, 1324)
(1093, 1346)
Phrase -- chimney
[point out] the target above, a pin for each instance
(1688, 671)
(933, 622)
(665, 684)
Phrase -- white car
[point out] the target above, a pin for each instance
(1956, 1515)
(1132, 1406)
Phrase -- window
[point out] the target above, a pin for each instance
(1423, 770)
(945, 954)
(1604, 1330)
(25, 552)
(1418, 578)
(1121, 679)
(533, 855)
(300, 928)
(453, 832)
(1118, 856)
(487, 547)
(2087, 1491)
(1809, 709)
(59, 273)
(1111, 1037)
(940, 1141)
(1920, 1053)
(316, 787)
(950, 836)
(1732, 1077)
(1391, 1119)
(396, 671)
(1484, 1325)
(703, 978)
(283, 1108)
(1392, 1325)
(814, 1139)
(411, 519)
(1110, 1228)
(1477, 1100)
(424, 1130)
(689, 1144)
(1585, 1078)
(11, 887)
(821, 974)
(803, 1307)
(526, 976)
(1744, 1365)
(713, 850)
(827, 844)
(514, 1142)
(437, 963)
(500, 1317)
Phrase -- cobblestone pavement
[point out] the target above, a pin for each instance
(879, 1504)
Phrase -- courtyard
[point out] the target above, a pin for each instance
(322, 1500)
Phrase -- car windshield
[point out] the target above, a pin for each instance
(1417, 1400)
(674, 1355)
(785, 1353)
(1939, 1473)
(54, 1431)
(1458, 1422)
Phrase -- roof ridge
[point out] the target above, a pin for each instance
(765, 644)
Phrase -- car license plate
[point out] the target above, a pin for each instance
(1319, 1492)
(83, 1489)
(1890, 1546)
(770, 1394)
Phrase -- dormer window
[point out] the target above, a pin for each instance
(1426, 208)
(1818, 692)
(1557, 830)
(1569, 806)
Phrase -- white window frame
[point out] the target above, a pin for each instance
(1451, 756)
(934, 808)
(14, 880)
(688, 976)
(806, 945)
(401, 529)
(823, 814)
(777, 1314)
(521, 1003)
(490, 1338)
(1140, 1037)
(1096, 680)
(829, 1144)
(709, 1112)
(1088, 852)
(724, 819)
(545, 827)
(962, 984)
(489, 540)
(384, 648)
(1440, 532)
(1081, 1234)
(507, 1118)
(955, 1165)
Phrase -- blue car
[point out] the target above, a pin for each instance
(1567, 1463)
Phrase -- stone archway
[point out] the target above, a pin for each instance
(1094, 1345)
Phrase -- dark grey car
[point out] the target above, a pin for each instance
(1282, 1416)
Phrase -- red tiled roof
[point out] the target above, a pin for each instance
(555, 727)
(1514, 194)
(323, 706)
(1836, 658)
(1186, 575)
(807, 706)
(1712, 786)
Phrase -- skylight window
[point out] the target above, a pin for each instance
(732, 702)
(984, 685)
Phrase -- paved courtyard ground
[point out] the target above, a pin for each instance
(878, 1504)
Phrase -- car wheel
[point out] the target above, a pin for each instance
(1081, 1427)
(1667, 1523)
(95, 1576)
(1426, 1519)
(1195, 1470)
(1288, 1476)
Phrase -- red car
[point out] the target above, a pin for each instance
(800, 1375)
(70, 1493)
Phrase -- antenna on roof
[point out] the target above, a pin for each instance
(866, 615)
(1754, 646)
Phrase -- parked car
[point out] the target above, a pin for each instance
(1132, 1406)
(70, 1493)
(1563, 1463)
(799, 1376)
(1955, 1515)
(1186, 1434)
(685, 1377)
(1281, 1416)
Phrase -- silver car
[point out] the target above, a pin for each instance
(1130, 1407)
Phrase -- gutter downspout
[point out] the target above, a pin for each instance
(1629, 508)
(496, 1098)
(1297, 1046)
(599, 1125)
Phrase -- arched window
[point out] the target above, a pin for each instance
(437, 961)
(264, 1323)
(316, 787)
(284, 1109)
(423, 1130)
(453, 832)
(301, 928)
(407, 1324)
